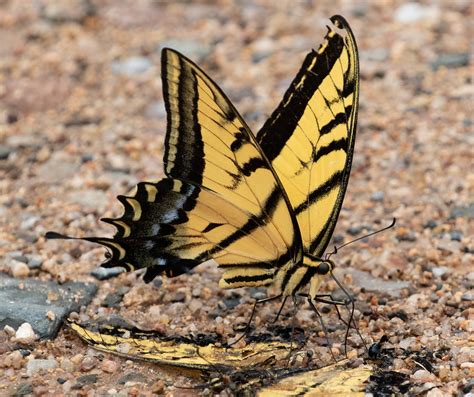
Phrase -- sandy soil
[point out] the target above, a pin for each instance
(82, 120)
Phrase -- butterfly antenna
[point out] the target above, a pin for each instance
(336, 249)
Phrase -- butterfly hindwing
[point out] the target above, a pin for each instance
(309, 139)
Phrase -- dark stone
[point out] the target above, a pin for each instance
(410, 236)
(132, 377)
(85, 380)
(86, 157)
(5, 152)
(23, 389)
(469, 386)
(431, 224)
(113, 299)
(451, 61)
(30, 303)
(258, 293)
(12, 118)
(456, 235)
(19, 257)
(400, 314)
(230, 303)
(338, 239)
(364, 308)
(103, 273)
(157, 282)
(354, 230)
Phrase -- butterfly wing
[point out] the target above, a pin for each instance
(221, 199)
(309, 139)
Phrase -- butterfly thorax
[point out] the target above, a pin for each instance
(311, 270)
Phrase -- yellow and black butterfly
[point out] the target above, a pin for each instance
(262, 206)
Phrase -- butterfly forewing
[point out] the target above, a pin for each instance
(221, 199)
(309, 139)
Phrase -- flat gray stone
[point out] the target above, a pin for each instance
(36, 365)
(30, 303)
(374, 284)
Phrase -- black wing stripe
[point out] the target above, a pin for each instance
(340, 144)
(279, 123)
(339, 118)
(320, 191)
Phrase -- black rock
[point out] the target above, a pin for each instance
(30, 303)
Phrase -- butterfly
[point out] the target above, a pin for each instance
(262, 206)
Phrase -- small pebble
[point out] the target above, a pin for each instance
(23, 389)
(439, 271)
(25, 334)
(87, 364)
(67, 365)
(19, 269)
(455, 235)
(109, 366)
(132, 66)
(34, 261)
(10, 331)
(158, 387)
(13, 360)
(102, 273)
(423, 376)
(377, 196)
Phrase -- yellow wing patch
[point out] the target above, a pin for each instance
(150, 347)
(333, 380)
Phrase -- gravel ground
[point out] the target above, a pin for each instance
(82, 120)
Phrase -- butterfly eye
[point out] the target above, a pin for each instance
(108, 255)
(324, 268)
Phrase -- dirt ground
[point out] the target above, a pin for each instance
(82, 120)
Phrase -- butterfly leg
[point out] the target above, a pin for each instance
(321, 321)
(293, 322)
(328, 299)
(257, 302)
(280, 310)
